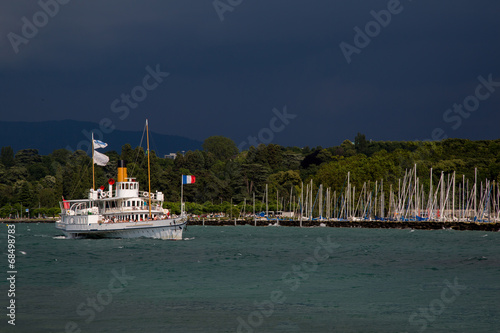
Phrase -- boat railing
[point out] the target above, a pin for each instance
(146, 195)
(81, 208)
(112, 210)
(132, 209)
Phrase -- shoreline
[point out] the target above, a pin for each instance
(47, 220)
(420, 225)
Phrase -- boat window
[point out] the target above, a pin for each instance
(133, 203)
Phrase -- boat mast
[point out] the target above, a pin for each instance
(93, 175)
(182, 194)
(149, 170)
(254, 204)
(301, 203)
(267, 204)
(475, 193)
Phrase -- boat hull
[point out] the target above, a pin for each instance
(170, 229)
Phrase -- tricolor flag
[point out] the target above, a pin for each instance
(99, 144)
(186, 179)
(100, 158)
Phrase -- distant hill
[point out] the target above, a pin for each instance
(70, 134)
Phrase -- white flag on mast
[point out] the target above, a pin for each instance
(99, 144)
(100, 158)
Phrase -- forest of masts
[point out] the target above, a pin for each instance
(451, 199)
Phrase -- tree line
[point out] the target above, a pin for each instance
(227, 178)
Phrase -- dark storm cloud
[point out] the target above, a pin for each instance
(227, 76)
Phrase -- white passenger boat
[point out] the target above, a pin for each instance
(120, 212)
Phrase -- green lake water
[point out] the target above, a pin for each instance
(256, 279)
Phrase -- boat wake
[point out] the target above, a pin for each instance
(188, 239)
(60, 237)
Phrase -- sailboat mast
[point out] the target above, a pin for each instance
(254, 204)
(267, 204)
(301, 203)
(149, 170)
(93, 173)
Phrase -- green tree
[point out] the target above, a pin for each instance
(25, 193)
(360, 144)
(221, 147)
(60, 156)
(127, 153)
(194, 161)
(48, 197)
(254, 176)
(347, 148)
(7, 157)
(6, 194)
(26, 157)
(37, 171)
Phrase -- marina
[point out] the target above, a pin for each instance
(421, 225)
(450, 200)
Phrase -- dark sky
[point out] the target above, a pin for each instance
(226, 76)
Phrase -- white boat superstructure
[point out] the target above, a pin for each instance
(120, 212)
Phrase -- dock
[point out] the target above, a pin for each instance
(420, 225)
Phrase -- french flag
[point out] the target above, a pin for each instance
(186, 179)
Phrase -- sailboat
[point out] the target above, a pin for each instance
(123, 211)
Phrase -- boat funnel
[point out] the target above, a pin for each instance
(122, 171)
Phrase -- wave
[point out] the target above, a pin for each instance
(59, 237)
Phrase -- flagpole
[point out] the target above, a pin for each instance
(149, 171)
(182, 187)
(93, 176)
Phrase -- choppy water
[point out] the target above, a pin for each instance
(257, 279)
